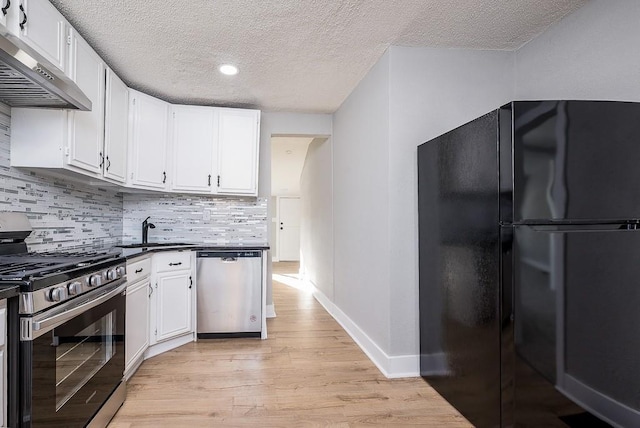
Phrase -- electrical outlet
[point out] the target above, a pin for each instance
(206, 215)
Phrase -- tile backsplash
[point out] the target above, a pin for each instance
(63, 215)
(198, 219)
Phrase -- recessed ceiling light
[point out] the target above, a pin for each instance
(289, 152)
(228, 69)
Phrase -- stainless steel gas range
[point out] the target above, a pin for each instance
(71, 331)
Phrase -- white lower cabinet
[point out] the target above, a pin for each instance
(137, 314)
(173, 297)
(173, 305)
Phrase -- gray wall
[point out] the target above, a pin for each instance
(590, 54)
(361, 205)
(431, 91)
(64, 215)
(316, 223)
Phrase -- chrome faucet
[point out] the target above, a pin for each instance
(145, 229)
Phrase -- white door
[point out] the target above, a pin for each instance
(237, 139)
(137, 322)
(116, 122)
(148, 140)
(43, 28)
(193, 148)
(173, 300)
(289, 229)
(87, 132)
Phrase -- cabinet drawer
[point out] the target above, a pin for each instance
(170, 261)
(138, 270)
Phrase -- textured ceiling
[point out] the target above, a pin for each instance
(293, 55)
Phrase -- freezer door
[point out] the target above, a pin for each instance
(576, 300)
(229, 291)
(575, 160)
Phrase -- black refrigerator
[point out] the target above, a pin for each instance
(529, 282)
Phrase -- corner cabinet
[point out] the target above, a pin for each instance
(148, 138)
(173, 297)
(238, 135)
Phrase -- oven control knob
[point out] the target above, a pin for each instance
(112, 274)
(95, 280)
(57, 294)
(121, 271)
(74, 288)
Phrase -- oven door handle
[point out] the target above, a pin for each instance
(41, 326)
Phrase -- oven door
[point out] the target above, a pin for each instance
(72, 358)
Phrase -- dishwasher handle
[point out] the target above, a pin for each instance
(228, 256)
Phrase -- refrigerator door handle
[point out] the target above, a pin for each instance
(567, 228)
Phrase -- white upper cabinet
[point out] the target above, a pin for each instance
(5, 5)
(86, 127)
(193, 148)
(237, 141)
(70, 140)
(148, 137)
(41, 27)
(116, 131)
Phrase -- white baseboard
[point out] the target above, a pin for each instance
(390, 366)
(271, 311)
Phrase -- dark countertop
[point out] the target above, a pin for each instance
(132, 253)
(8, 291)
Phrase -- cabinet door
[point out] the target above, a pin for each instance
(193, 148)
(173, 305)
(86, 127)
(44, 30)
(148, 141)
(137, 322)
(116, 128)
(5, 9)
(238, 134)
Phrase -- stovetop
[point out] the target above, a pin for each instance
(33, 271)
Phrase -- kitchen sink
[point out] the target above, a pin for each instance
(154, 244)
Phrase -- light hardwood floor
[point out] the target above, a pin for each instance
(308, 373)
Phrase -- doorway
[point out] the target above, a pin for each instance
(288, 154)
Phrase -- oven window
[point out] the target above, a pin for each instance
(81, 354)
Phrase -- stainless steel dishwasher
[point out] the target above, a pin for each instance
(229, 291)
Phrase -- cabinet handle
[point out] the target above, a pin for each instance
(6, 6)
(101, 159)
(175, 264)
(209, 180)
(150, 290)
(24, 20)
(164, 177)
(190, 283)
(138, 270)
(108, 163)
(218, 181)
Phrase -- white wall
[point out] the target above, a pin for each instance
(360, 203)
(431, 91)
(316, 222)
(408, 97)
(590, 54)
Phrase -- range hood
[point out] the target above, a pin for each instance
(26, 82)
